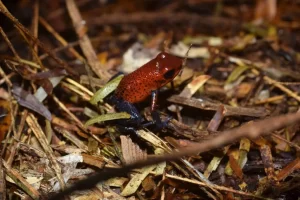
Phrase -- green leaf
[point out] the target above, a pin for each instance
(106, 90)
(107, 117)
(236, 73)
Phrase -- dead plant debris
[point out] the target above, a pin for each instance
(232, 113)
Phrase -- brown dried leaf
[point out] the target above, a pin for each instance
(148, 183)
(71, 137)
(260, 141)
(96, 161)
(243, 90)
(131, 151)
(235, 167)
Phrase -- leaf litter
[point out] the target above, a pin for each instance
(237, 74)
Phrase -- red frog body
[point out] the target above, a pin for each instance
(138, 85)
(143, 82)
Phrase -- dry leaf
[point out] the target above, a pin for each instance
(131, 152)
(136, 181)
(29, 101)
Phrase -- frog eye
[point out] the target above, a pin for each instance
(169, 74)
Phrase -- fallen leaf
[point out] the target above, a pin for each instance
(136, 180)
(107, 117)
(106, 90)
(131, 151)
(29, 101)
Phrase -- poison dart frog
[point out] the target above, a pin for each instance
(140, 84)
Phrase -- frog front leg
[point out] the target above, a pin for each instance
(155, 114)
(135, 119)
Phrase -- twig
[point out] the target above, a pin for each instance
(206, 104)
